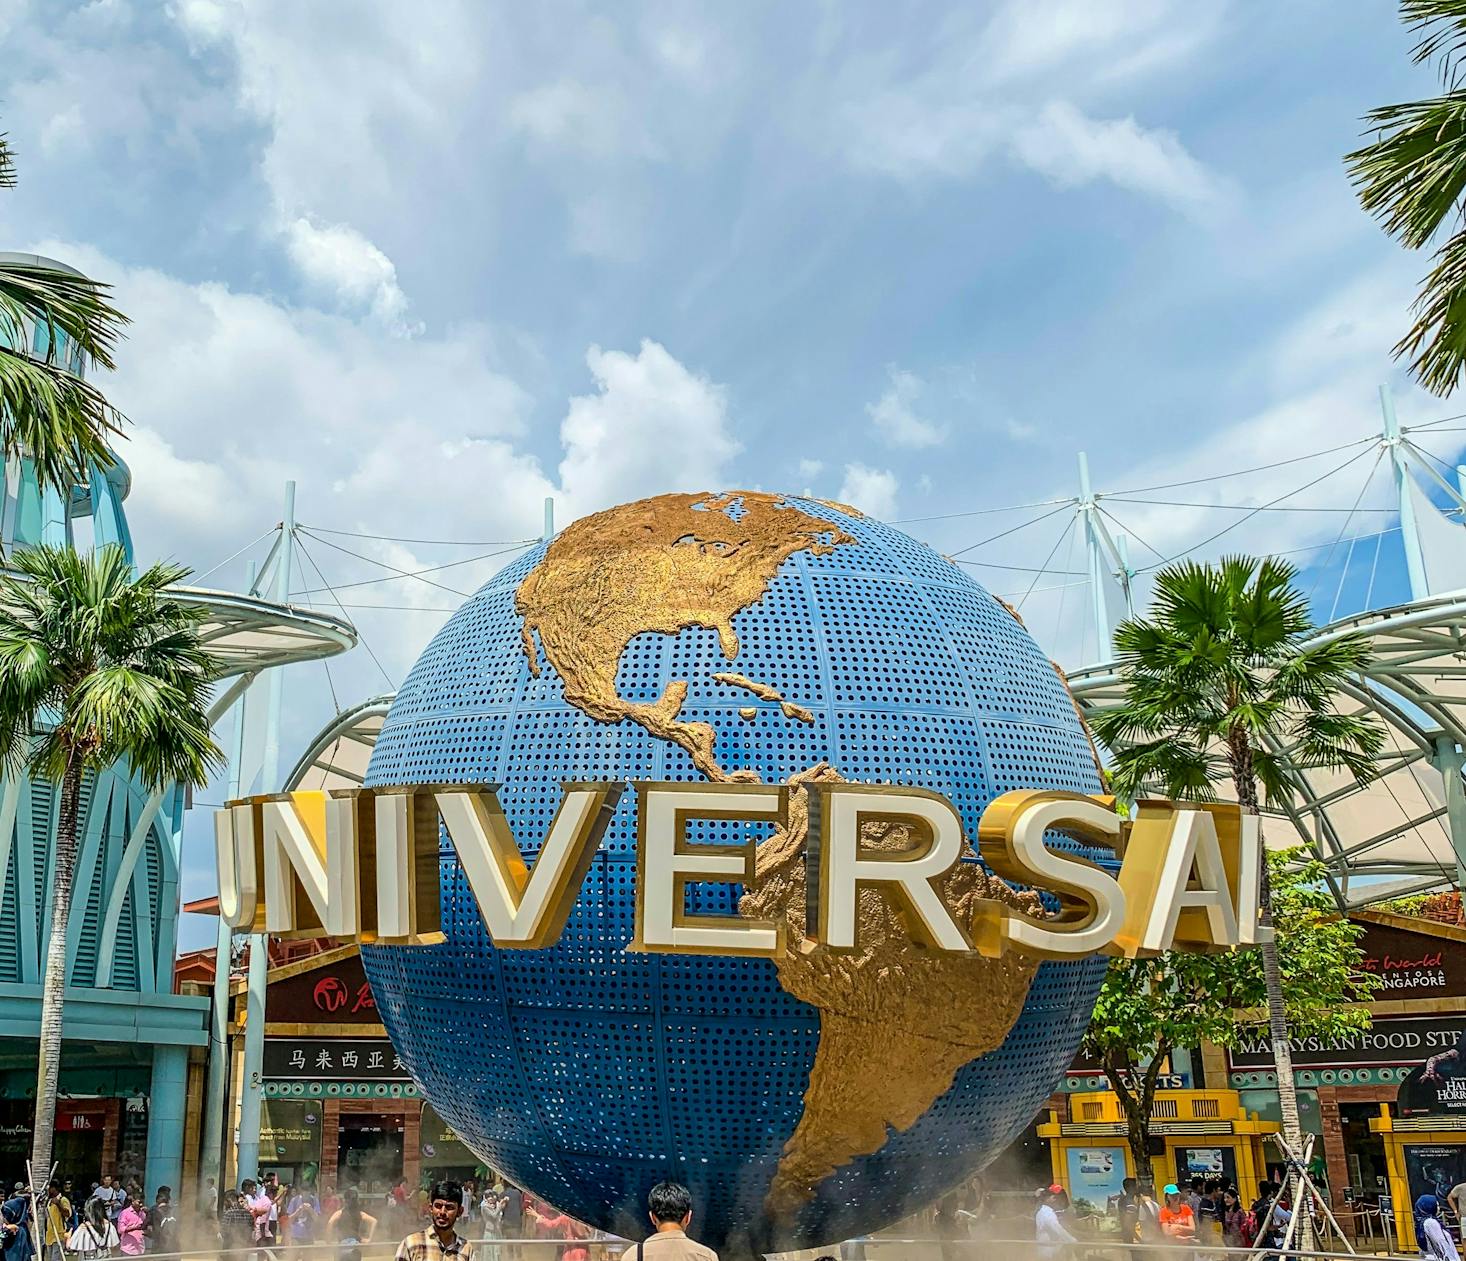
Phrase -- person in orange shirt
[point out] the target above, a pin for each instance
(1177, 1219)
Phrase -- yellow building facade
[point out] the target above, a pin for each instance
(1194, 1133)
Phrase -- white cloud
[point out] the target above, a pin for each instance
(231, 394)
(907, 139)
(873, 491)
(347, 109)
(811, 468)
(982, 88)
(651, 426)
(195, 489)
(1102, 39)
(896, 419)
(1071, 148)
(336, 259)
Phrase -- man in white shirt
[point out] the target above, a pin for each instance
(669, 1205)
(1049, 1233)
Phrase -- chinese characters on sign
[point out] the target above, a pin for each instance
(333, 1059)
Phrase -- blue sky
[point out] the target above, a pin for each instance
(438, 262)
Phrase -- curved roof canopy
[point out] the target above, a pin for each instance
(248, 634)
(338, 756)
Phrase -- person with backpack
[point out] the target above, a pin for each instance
(1430, 1235)
(350, 1226)
(1264, 1217)
(162, 1227)
(1147, 1214)
(95, 1235)
(1049, 1233)
(1127, 1210)
(303, 1211)
(1235, 1232)
(236, 1223)
(669, 1206)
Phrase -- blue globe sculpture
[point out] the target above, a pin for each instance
(748, 636)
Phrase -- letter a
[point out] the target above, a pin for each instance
(1178, 896)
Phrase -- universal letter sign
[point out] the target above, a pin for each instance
(363, 864)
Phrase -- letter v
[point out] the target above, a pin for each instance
(526, 907)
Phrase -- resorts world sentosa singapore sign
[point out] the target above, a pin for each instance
(363, 864)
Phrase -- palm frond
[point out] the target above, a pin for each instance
(1413, 176)
(59, 420)
(49, 321)
(114, 661)
(1333, 741)
(55, 301)
(1436, 341)
(1175, 766)
(1442, 28)
(1271, 772)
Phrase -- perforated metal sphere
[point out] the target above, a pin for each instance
(586, 1073)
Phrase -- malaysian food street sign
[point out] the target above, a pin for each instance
(363, 864)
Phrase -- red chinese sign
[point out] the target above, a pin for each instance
(337, 993)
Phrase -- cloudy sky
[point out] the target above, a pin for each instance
(439, 262)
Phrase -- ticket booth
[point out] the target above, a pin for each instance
(1194, 1133)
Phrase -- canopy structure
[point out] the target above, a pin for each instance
(249, 634)
(1403, 831)
(338, 756)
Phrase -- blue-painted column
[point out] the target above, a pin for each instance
(167, 1100)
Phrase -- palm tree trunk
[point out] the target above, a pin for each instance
(1239, 750)
(53, 988)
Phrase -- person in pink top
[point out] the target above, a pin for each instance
(130, 1223)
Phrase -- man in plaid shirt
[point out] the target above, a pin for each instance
(445, 1203)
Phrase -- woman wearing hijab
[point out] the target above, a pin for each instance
(1429, 1233)
(15, 1234)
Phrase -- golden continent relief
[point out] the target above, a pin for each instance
(896, 1021)
(662, 564)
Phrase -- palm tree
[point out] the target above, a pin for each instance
(96, 666)
(49, 321)
(1413, 177)
(1220, 685)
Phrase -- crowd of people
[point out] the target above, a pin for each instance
(1207, 1211)
(110, 1220)
(437, 1222)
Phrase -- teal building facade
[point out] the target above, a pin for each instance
(126, 1035)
